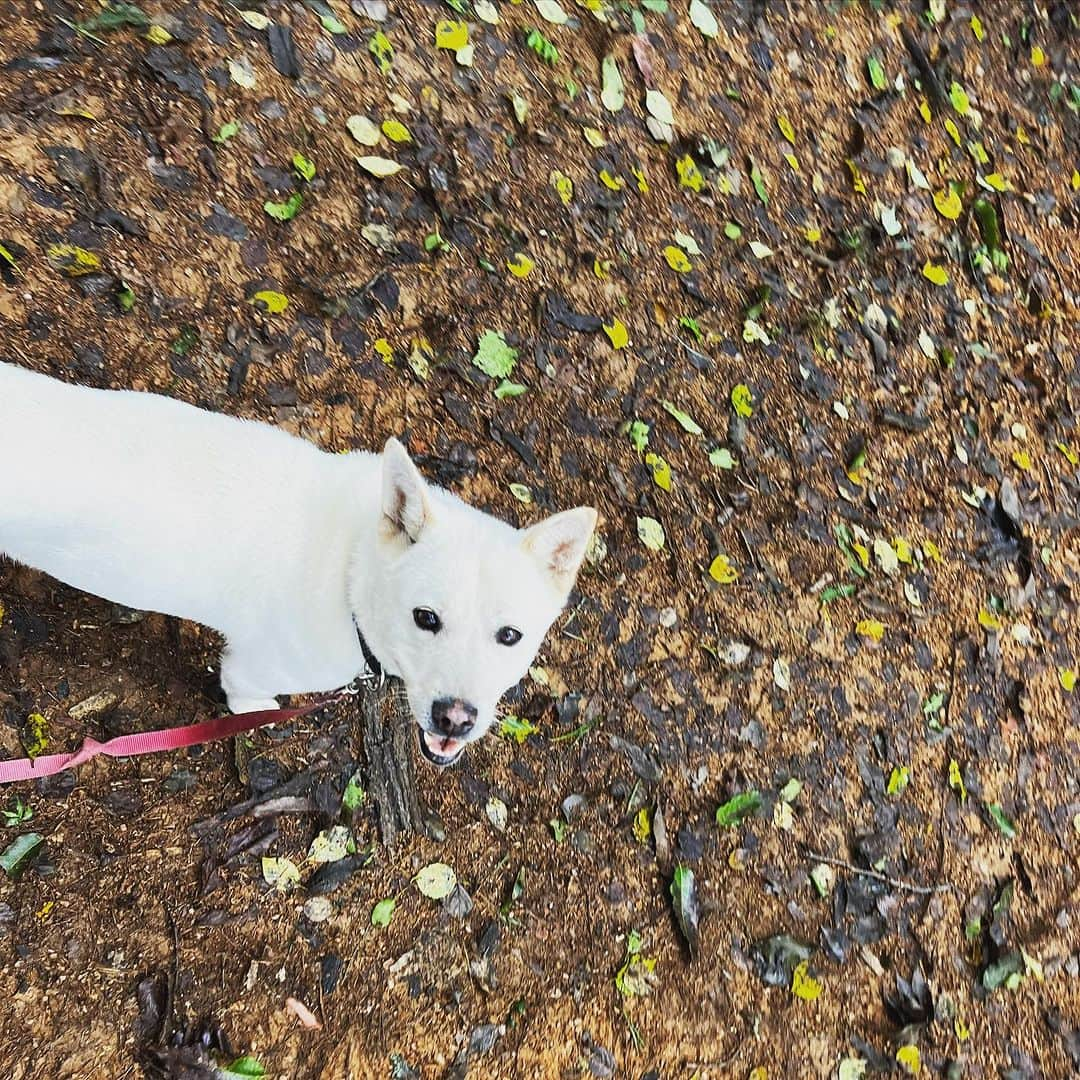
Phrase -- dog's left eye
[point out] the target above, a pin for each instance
(508, 635)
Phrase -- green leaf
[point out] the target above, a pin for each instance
(516, 728)
(721, 458)
(304, 168)
(493, 356)
(333, 25)
(732, 231)
(759, 183)
(226, 132)
(738, 809)
(284, 211)
(686, 422)
(1007, 972)
(639, 435)
(381, 49)
(1001, 820)
(899, 779)
(507, 389)
(542, 47)
(354, 794)
(17, 855)
(116, 17)
(877, 73)
(703, 18)
(685, 901)
(245, 1066)
(382, 912)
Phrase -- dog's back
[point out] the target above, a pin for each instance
(140, 498)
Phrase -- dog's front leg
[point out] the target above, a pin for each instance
(244, 682)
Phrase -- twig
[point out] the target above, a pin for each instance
(896, 883)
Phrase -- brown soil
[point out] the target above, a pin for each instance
(108, 145)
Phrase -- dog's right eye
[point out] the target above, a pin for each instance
(426, 619)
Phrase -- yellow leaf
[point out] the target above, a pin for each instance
(961, 1029)
(956, 781)
(907, 1057)
(676, 259)
(863, 552)
(563, 185)
(793, 161)
(661, 470)
(804, 985)
(948, 204)
(997, 181)
(1071, 456)
(721, 570)
(1038, 57)
(784, 124)
(856, 177)
(931, 551)
(902, 549)
(924, 111)
(759, 1073)
(1022, 135)
(275, 302)
(617, 333)
(988, 620)
(642, 183)
(1022, 459)
(594, 137)
(613, 183)
(73, 261)
(937, 274)
(689, 174)
(953, 130)
(384, 349)
(1067, 678)
(451, 34)
(977, 28)
(35, 735)
(742, 400)
(642, 825)
(396, 131)
(812, 235)
(158, 35)
(870, 628)
(1075, 180)
(602, 268)
(520, 265)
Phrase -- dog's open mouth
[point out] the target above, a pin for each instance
(439, 749)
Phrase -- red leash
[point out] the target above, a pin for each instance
(152, 742)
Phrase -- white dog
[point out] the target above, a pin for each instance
(290, 552)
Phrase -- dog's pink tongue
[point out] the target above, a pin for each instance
(443, 747)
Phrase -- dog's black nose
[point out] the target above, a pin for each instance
(453, 717)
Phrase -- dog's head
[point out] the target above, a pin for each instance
(457, 602)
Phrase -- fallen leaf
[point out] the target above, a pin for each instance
(803, 985)
(613, 92)
(702, 17)
(676, 259)
(650, 533)
(742, 400)
(274, 302)
(687, 910)
(436, 881)
(379, 166)
(382, 912)
(617, 334)
(363, 130)
(494, 356)
(721, 570)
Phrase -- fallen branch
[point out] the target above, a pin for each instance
(896, 883)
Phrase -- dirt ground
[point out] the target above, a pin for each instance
(842, 307)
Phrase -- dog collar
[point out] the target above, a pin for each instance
(375, 671)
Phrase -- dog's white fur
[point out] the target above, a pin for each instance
(164, 507)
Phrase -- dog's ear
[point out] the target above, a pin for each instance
(558, 544)
(405, 505)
